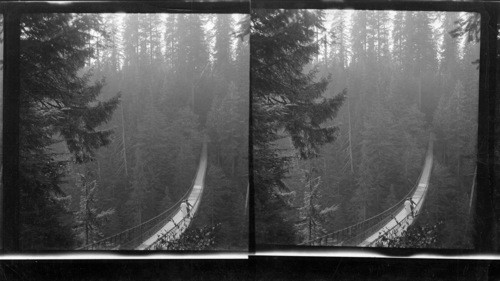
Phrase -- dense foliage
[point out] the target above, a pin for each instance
(286, 102)
(58, 104)
(119, 164)
(193, 239)
(173, 95)
(487, 214)
(406, 77)
(395, 101)
(416, 236)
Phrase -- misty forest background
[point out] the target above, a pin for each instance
(50, 217)
(368, 87)
(114, 109)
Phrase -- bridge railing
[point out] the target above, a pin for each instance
(355, 234)
(172, 234)
(403, 224)
(358, 232)
(134, 236)
(347, 236)
(180, 227)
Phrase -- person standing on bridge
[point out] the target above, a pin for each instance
(184, 209)
(189, 208)
(409, 205)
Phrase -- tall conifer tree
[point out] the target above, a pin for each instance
(57, 102)
(285, 100)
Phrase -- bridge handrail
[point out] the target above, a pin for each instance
(363, 223)
(392, 228)
(133, 229)
(420, 201)
(183, 221)
(126, 232)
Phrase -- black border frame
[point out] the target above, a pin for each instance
(484, 239)
(487, 93)
(126, 6)
(12, 12)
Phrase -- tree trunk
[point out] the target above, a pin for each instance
(99, 170)
(407, 157)
(325, 53)
(378, 38)
(218, 154)
(233, 166)
(324, 166)
(247, 198)
(317, 41)
(472, 190)
(350, 135)
(192, 96)
(420, 91)
(310, 201)
(458, 171)
(342, 50)
(124, 151)
(97, 56)
(364, 211)
(86, 213)
(150, 40)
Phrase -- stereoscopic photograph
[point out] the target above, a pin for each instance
(134, 132)
(365, 127)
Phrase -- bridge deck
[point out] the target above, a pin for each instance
(395, 219)
(401, 220)
(179, 223)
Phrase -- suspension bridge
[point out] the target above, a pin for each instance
(391, 222)
(168, 225)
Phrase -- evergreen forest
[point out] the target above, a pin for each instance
(114, 110)
(343, 109)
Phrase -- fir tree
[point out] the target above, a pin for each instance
(56, 99)
(313, 217)
(222, 49)
(284, 99)
(447, 208)
(89, 219)
(222, 207)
